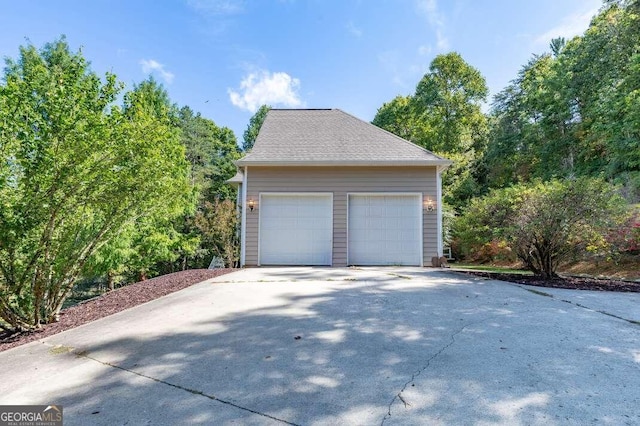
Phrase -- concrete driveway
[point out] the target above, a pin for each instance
(368, 346)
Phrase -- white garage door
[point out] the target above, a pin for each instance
(385, 230)
(296, 229)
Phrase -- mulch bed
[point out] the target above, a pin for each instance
(575, 283)
(112, 302)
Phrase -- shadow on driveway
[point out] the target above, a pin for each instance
(373, 347)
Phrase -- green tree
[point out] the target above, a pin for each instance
(211, 151)
(444, 116)
(253, 128)
(448, 102)
(523, 138)
(556, 45)
(398, 117)
(449, 97)
(152, 244)
(574, 113)
(481, 231)
(74, 170)
(605, 82)
(157, 100)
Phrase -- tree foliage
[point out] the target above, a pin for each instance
(74, 170)
(399, 117)
(255, 123)
(560, 220)
(144, 247)
(481, 229)
(218, 224)
(448, 99)
(575, 112)
(211, 151)
(544, 223)
(444, 116)
(571, 115)
(158, 245)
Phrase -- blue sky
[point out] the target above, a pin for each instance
(224, 58)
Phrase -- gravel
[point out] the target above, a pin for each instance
(113, 302)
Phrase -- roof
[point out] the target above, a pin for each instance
(237, 178)
(317, 137)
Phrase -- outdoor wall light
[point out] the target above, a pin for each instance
(429, 205)
(251, 204)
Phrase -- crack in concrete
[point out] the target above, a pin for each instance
(541, 293)
(399, 396)
(84, 354)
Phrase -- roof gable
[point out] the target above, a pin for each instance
(330, 137)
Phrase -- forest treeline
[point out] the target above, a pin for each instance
(104, 186)
(574, 111)
(568, 122)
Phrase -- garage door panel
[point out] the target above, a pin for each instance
(384, 230)
(407, 237)
(296, 229)
(375, 234)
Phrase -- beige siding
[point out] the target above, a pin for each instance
(341, 181)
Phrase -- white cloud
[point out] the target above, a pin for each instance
(389, 60)
(151, 65)
(424, 50)
(430, 7)
(442, 42)
(217, 7)
(353, 30)
(266, 88)
(436, 21)
(403, 74)
(570, 26)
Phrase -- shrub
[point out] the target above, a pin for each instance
(545, 224)
(559, 220)
(218, 223)
(479, 233)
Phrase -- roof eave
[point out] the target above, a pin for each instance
(444, 163)
(237, 179)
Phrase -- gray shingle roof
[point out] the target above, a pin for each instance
(330, 137)
(237, 178)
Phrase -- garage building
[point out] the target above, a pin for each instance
(322, 187)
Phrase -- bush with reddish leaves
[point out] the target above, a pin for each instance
(494, 250)
(544, 224)
(626, 238)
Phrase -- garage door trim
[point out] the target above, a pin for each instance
(304, 194)
(419, 196)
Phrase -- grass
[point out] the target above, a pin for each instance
(625, 267)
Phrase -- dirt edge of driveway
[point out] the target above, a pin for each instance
(569, 282)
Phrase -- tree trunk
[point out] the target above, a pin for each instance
(110, 281)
